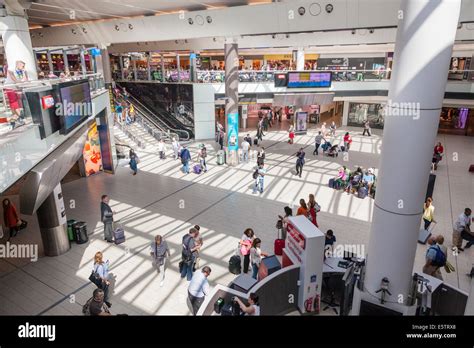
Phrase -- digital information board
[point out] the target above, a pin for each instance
(309, 79)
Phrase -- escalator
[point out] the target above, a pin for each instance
(157, 101)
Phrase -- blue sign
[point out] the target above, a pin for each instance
(95, 52)
(233, 131)
(192, 56)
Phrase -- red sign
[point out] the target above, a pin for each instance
(47, 102)
(297, 237)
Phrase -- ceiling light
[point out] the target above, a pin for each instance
(190, 21)
(130, 27)
(214, 39)
(209, 19)
(84, 30)
(117, 28)
(301, 11)
(176, 41)
(74, 31)
(329, 8)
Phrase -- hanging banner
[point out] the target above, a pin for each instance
(233, 131)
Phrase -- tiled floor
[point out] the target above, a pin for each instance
(163, 200)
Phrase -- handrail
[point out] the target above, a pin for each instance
(47, 82)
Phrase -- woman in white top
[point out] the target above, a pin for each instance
(176, 147)
(256, 256)
(253, 308)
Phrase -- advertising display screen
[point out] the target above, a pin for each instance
(233, 137)
(92, 152)
(301, 119)
(75, 105)
(309, 79)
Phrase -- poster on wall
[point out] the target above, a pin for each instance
(359, 113)
(91, 152)
(301, 119)
(233, 131)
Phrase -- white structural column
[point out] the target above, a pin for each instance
(232, 99)
(425, 37)
(17, 42)
(103, 65)
(300, 59)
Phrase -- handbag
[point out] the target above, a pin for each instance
(448, 267)
(95, 278)
(245, 248)
(317, 207)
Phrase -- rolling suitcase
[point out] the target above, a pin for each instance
(197, 169)
(331, 183)
(279, 245)
(80, 232)
(119, 234)
(362, 192)
(425, 234)
(235, 265)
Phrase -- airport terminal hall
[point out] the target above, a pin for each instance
(203, 158)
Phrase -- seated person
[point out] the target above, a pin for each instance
(329, 243)
(333, 151)
(340, 178)
(368, 179)
(354, 180)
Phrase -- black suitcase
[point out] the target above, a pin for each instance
(230, 309)
(80, 232)
(255, 141)
(425, 234)
(431, 184)
(235, 266)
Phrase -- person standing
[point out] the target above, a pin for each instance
(199, 288)
(323, 129)
(428, 212)
(261, 156)
(253, 308)
(18, 75)
(332, 129)
(313, 209)
(259, 176)
(462, 226)
(256, 255)
(159, 251)
(436, 257)
(185, 158)
(10, 218)
(248, 139)
(245, 150)
(133, 162)
(291, 135)
(199, 242)
(366, 128)
(259, 131)
(188, 254)
(437, 155)
(300, 161)
(317, 142)
(303, 208)
(107, 217)
(176, 147)
(161, 148)
(347, 141)
(221, 139)
(202, 154)
(101, 270)
(245, 243)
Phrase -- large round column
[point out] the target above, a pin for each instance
(425, 37)
(17, 43)
(232, 100)
(299, 59)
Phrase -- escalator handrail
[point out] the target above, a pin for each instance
(157, 118)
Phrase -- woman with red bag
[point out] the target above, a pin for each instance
(10, 218)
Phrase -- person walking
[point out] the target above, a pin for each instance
(199, 242)
(159, 251)
(437, 155)
(248, 139)
(259, 131)
(259, 176)
(462, 227)
(261, 156)
(436, 257)
(347, 141)
(245, 244)
(107, 217)
(10, 218)
(428, 213)
(176, 148)
(366, 128)
(256, 255)
(199, 288)
(161, 149)
(253, 308)
(185, 158)
(221, 139)
(188, 254)
(245, 150)
(202, 154)
(101, 271)
(300, 161)
(96, 306)
(323, 129)
(133, 162)
(317, 142)
(291, 135)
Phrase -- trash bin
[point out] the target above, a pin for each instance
(220, 157)
(70, 232)
(80, 232)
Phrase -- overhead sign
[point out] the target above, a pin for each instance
(309, 79)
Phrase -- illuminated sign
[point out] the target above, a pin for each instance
(309, 79)
(47, 102)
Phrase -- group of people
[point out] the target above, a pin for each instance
(125, 113)
(360, 181)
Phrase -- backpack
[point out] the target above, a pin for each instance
(440, 258)
(187, 254)
(255, 174)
